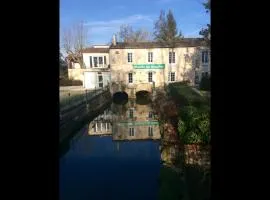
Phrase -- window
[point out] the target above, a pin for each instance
(150, 56)
(91, 65)
(100, 80)
(204, 74)
(95, 61)
(131, 131)
(129, 57)
(205, 57)
(105, 60)
(171, 76)
(150, 115)
(130, 78)
(100, 61)
(150, 131)
(150, 77)
(130, 113)
(171, 57)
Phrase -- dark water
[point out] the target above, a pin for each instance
(98, 167)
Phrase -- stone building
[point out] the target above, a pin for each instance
(147, 65)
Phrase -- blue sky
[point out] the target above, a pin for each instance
(104, 17)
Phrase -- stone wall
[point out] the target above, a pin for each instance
(197, 155)
(77, 117)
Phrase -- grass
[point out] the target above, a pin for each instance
(198, 183)
(183, 95)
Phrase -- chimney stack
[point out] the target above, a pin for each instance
(114, 40)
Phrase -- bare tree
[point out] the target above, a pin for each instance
(74, 41)
(127, 34)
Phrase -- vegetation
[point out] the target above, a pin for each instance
(205, 32)
(74, 41)
(166, 29)
(63, 71)
(171, 185)
(205, 83)
(183, 95)
(194, 119)
(127, 34)
(69, 82)
(194, 125)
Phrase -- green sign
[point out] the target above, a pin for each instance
(148, 66)
(142, 123)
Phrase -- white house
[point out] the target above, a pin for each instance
(96, 72)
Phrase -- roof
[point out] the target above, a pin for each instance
(71, 58)
(186, 42)
(96, 50)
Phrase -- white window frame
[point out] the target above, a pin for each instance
(131, 133)
(150, 76)
(172, 57)
(131, 110)
(150, 115)
(130, 78)
(150, 57)
(205, 56)
(170, 77)
(99, 74)
(150, 131)
(129, 57)
(99, 65)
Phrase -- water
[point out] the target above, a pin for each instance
(122, 165)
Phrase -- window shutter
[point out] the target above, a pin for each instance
(90, 61)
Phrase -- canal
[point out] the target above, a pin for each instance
(115, 156)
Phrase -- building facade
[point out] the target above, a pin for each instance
(133, 67)
(96, 73)
(147, 65)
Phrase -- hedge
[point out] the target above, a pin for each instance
(67, 82)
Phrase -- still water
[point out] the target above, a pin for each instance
(124, 163)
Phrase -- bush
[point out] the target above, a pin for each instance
(68, 82)
(186, 82)
(184, 95)
(205, 83)
(194, 125)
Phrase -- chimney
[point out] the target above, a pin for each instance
(114, 40)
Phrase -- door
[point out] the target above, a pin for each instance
(89, 80)
(100, 80)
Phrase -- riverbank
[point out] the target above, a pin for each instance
(191, 165)
(74, 119)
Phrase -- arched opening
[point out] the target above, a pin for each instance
(120, 98)
(143, 97)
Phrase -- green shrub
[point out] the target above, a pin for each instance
(194, 125)
(68, 82)
(205, 83)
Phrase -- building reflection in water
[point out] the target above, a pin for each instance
(101, 125)
(130, 121)
(135, 122)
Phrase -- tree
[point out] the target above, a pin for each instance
(194, 125)
(206, 32)
(207, 5)
(166, 29)
(62, 65)
(74, 41)
(127, 34)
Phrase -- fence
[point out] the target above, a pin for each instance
(71, 97)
